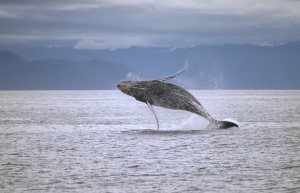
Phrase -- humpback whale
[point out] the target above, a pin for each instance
(167, 95)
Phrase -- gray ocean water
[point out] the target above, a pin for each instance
(105, 141)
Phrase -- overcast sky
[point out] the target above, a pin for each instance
(113, 24)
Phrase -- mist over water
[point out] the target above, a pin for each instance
(105, 141)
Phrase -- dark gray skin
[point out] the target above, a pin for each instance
(167, 95)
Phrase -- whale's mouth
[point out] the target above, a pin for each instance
(119, 86)
(124, 86)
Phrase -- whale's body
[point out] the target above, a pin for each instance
(167, 95)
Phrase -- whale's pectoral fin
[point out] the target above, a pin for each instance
(184, 68)
(152, 110)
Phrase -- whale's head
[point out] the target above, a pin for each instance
(132, 88)
(126, 87)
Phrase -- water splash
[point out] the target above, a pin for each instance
(134, 76)
(194, 122)
(186, 64)
(218, 81)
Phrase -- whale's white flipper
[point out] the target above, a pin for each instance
(153, 111)
(184, 68)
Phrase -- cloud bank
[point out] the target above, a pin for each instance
(114, 24)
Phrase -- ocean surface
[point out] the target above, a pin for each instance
(105, 141)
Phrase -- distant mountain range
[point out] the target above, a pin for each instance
(57, 74)
(210, 67)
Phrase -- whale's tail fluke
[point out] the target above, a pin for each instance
(226, 124)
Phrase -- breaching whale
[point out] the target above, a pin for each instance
(162, 94)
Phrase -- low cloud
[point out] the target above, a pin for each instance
(114, 24)
(7, 15)
(109, 43)
(89, 44)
